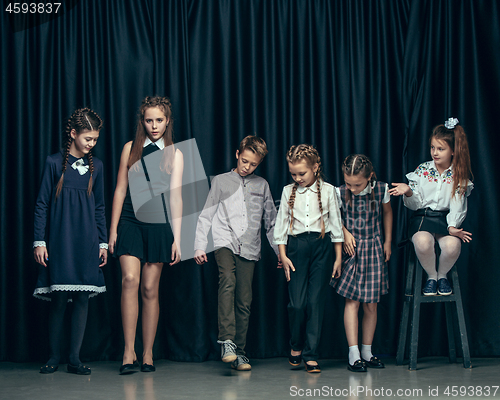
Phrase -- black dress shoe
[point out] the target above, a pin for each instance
(374, 363)
(358, 366)
(126, 369)
(48, 369)
(79, 369)
(148, 368)
(295, 360)
(314, 369)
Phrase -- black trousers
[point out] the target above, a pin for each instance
(312, 258)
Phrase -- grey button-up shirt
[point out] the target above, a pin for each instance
(234, 209)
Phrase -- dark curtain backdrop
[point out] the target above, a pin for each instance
(367, 76)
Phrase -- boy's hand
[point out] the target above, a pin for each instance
(349, 243)
(287, 266)
(337, 267)
(200, 257)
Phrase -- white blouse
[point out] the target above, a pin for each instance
(433, 190)
(306, 213)
(368, 189)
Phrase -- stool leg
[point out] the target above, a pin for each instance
(415, 321)
(451, 335)
(461, 318)
(403, 327)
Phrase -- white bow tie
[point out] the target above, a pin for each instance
(82, 169)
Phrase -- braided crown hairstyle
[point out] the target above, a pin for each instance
(163, 103)
(355, 164)
(81, 120)
(457, 140)
(306, 152)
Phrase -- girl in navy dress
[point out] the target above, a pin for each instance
(437, 192)
(365, 204)
(70, 227)
(308, 222)
(137, 242)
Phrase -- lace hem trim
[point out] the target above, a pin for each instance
(42, 292)
(103, 246)
(39, 243)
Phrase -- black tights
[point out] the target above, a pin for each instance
(78, 323)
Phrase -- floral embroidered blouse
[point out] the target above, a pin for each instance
(433, 190)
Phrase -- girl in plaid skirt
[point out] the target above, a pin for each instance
(365, 202)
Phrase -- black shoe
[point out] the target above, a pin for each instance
(444, 288)
(148, 368)
(358, 366)
(295, 360)
(430, 288)
(374, 363)
(79, 369)
(48, 369)
(126, 369)
(314, 369)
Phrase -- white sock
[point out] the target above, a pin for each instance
(366, 352)
(353, 354)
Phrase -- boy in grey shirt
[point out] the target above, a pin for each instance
(237, 202)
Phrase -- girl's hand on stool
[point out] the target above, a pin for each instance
(349, 243)
(287, 266)
(464, 236)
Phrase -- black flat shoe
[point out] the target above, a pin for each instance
(148, 368)
(295, 360)
(126, 369)
(48, 369)
(374, 363)
(313, 369)
(358, 366)
(79, 369)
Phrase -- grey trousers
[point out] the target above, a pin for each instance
(235, 296)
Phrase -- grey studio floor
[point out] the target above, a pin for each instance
(269, 379)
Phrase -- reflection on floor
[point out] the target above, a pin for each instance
(268, 379)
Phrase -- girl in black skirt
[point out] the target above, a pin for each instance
(438, 192)
(138, 233)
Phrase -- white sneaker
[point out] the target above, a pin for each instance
(241, 364)
(228, 350)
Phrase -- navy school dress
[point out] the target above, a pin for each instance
(364, 276)
(73, 226)
(150, 242)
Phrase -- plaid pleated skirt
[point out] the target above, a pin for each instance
(364, 276)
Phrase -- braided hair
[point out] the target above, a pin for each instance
(164, 104)
(355, 164)
(82, 119)
(308, 153)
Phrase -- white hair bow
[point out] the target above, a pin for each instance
(78, 165)
(450, 123)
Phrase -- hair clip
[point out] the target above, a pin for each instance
(450, 123)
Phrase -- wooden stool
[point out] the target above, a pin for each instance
(413, 299)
